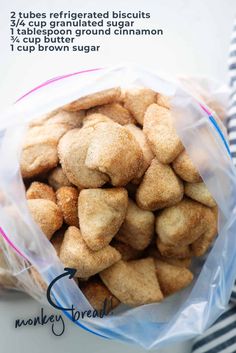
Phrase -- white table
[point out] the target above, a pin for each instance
(195, 43)
(40, 339)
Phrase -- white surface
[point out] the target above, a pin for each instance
(40, 339)
(195, 42)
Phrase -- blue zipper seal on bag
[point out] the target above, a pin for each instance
(214, 123)
(218, 129)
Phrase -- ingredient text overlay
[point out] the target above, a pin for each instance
(68, 31)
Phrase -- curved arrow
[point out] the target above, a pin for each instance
(68, 271)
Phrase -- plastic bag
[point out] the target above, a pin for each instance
(179, 317)
(209, 92)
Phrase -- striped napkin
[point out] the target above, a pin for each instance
(221, 337)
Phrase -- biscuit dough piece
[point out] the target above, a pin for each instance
(101, 213)
(181, 224)
(183, 262)
(67, 201)
(92, 120)
(176, 251)
(184, 167)
(76, 254)
(159, 188)
(47, 215)
(44, 134)
(142, 141)
(216, 212)
(7, 279)
(126, 251)
(99, 295)
(72, 151)
(43, 118)
(57, 239)
(200, 193)
(172, 278)
(202, 244)
(57, 178)
(163, 101)
(3, 261)
(137, 101)
(133, 283)
(94, 99)
(161, 133)
(113, 150)
(39, 190)
(37, 159)
(70, 119)
(39, 153)
(114, 111)
(137, 229)
(36, 276)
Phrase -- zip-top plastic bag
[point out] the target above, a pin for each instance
(23, 244)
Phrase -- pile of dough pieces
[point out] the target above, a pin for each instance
(110, 184)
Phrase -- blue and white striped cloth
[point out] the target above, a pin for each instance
(232, 108)
(221, 337)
